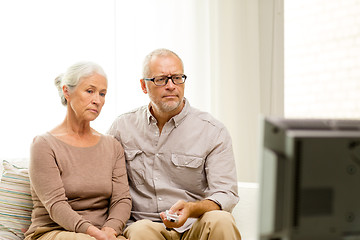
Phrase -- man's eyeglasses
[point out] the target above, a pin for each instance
(163, 80)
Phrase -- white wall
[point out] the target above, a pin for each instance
(231, 49)
(39, 40)
(247, 73)
(322, 54)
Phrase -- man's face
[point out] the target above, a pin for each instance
(168, 98)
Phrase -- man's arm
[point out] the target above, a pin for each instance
(221, 193)
(197, 209)
(221, 172)
(187, 210)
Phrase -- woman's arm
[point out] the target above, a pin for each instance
(120, 203)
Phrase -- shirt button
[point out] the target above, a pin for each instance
(160, 199)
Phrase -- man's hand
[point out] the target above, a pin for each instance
(182, 209)
(188, 209)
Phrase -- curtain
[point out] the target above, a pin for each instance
(247, 73)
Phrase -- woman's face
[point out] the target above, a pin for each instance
(88, 98)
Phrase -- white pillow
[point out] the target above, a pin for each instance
(15, 201)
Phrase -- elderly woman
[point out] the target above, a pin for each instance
(78, 176)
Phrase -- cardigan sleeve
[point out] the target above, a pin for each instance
(120, 202)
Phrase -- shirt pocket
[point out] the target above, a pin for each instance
(186, 161)
(135, 166)
(189, 171)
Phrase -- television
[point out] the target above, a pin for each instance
(309, 180)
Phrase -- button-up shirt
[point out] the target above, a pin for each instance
(192, 159)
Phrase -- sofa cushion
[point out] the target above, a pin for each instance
(245, 212)
(15, 201)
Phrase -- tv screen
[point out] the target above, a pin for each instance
(310, 180)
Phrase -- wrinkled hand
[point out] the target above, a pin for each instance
(105, 233)
(97, 233)
(122, 238)
(182, 209)
(110, 233)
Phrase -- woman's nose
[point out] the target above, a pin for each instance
(96, 99)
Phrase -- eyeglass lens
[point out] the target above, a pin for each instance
(176, 79)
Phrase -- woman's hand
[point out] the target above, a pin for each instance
(122, 238)
(110, 232)
(99, 234)
(106, 233)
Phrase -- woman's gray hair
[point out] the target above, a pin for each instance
(155, 53)
(73, 74)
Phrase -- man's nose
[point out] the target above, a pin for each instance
(170, 83)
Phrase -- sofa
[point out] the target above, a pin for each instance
(16, 204)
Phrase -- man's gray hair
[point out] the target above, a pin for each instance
(155, 53)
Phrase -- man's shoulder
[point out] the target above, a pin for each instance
(136, 112)
(127, 121)
(205, 117)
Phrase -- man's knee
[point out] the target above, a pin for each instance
(218, 217)
(219, 225)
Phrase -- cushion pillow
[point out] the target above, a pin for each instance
(15, 201)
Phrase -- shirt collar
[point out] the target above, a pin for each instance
(149, 116)
(181, 116)
(177, 119)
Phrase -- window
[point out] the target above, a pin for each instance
(322, 63)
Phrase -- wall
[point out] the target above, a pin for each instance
(247, 73)
(322, 54)
(231, 49)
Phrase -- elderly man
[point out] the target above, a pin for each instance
(178, 159)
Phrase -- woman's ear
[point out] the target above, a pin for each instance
(66, 92)
(143, 86)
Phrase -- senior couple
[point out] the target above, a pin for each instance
(163, 156)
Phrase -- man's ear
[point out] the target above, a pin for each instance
(143, 85)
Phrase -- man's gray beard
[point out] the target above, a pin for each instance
(168, 108)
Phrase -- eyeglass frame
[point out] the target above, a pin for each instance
(183, 76)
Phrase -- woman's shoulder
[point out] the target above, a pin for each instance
(112, 145)
(42, 142)
(110, 139)
(42, 138)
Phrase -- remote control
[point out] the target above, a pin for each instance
(171, 217)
